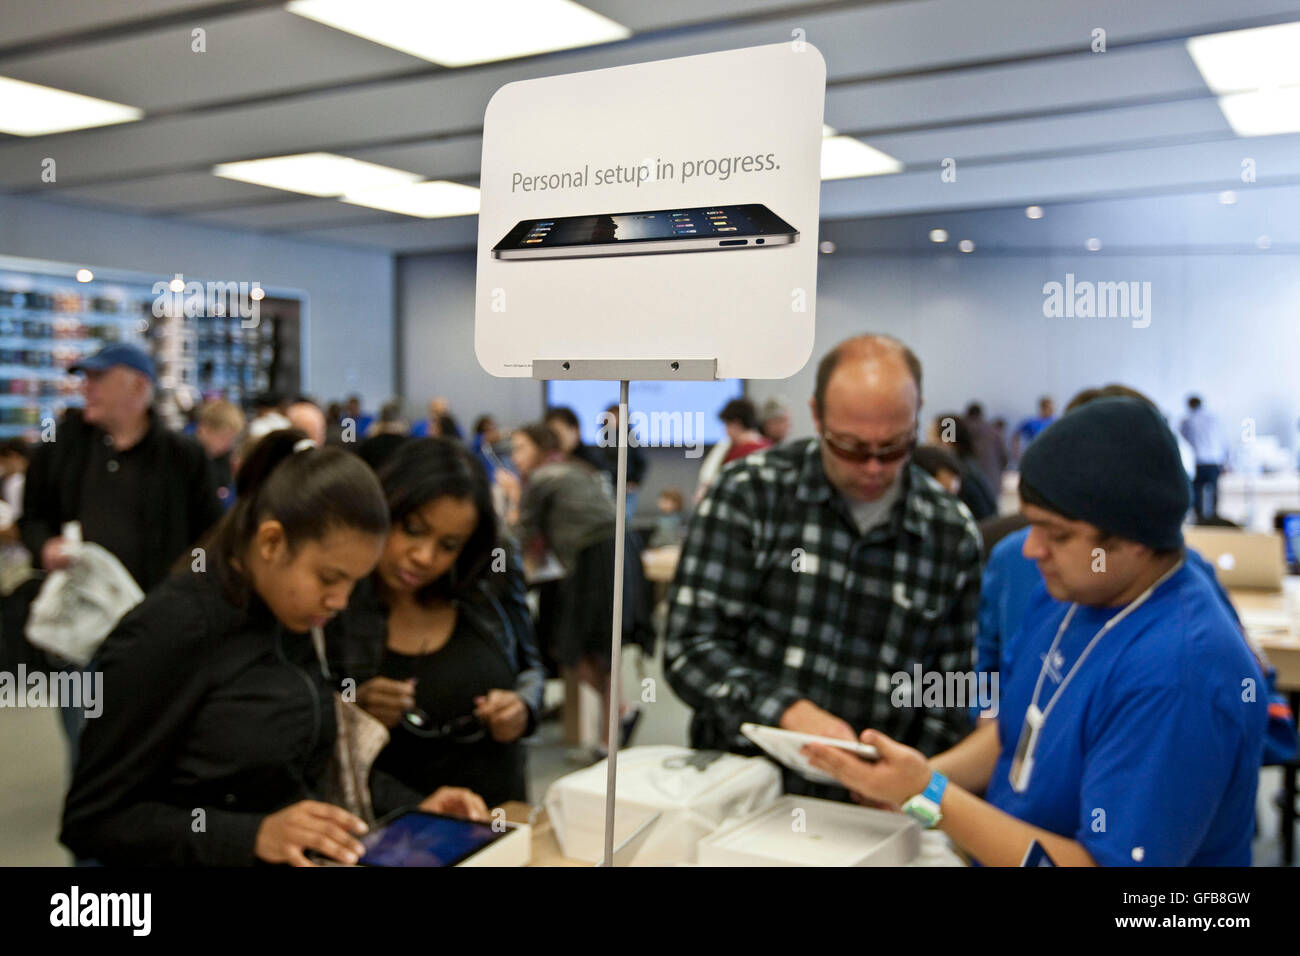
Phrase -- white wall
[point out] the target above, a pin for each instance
(1226, 326)
(349, 291)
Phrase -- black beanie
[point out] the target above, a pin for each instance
(1115, 464)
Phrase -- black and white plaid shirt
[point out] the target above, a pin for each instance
(779, 597)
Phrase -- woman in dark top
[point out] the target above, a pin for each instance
(217, 722)
(440, 635)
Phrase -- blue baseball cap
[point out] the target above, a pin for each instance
(119, 353)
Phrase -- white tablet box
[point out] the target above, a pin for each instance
(695, 791)
(513, 849)
(804, 831)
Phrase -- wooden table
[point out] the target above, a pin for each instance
(1265, 616)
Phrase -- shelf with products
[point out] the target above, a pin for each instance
(203, 343)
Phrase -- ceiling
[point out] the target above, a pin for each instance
(1008, 88)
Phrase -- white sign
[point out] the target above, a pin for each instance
(664, 210)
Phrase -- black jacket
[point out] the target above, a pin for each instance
(205, 707)
(498, 607)
(182, 492)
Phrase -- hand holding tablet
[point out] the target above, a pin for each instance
(784, 747)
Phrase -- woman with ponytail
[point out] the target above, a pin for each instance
(217, 722)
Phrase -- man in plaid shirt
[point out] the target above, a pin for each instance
(815, 572)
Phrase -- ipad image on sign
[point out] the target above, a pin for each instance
(783, 746)
(650, 232)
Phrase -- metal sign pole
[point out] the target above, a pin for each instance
(616, 638)
(622, 371)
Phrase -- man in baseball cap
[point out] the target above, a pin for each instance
(142, 492)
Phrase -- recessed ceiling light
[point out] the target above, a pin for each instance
(844, 157)
(429, 200)
(1227, 197)
(1263, 112)
(1253, 59)
(1256, 74)
(257, 293)
(1033, 212)
(966, 245)
(316, 174)
(938, 235)
(177, 284)
(85, 275)
(1093, 244)
(827, 247)
(455, 33)
(27, 109)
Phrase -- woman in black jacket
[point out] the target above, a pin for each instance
(218, 723)
(440, 636)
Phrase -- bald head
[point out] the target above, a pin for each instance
(869, 360)
(868, 394)
(310, 419)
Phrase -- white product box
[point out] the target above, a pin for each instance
(695, 791)
(803, 831)
(513, 849)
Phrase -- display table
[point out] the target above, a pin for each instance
(936, 850)
(1271, 624)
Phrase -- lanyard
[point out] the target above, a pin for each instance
(1023, 762)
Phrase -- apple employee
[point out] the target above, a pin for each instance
(1132, 716)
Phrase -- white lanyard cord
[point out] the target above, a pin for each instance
(1060, 631)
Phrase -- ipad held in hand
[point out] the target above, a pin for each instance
(783, 747)
(420, 838)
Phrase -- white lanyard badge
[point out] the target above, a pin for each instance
(1022, 764)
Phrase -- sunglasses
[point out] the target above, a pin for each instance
(850, 449)
(463, 730)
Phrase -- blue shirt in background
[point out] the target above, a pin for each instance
(1150, 756)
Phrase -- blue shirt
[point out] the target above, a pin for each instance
(1031, 427)
(1010, 580)
(1150, 756)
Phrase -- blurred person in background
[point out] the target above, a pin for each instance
(669, 525)
(334, 424)
(486, 436)
(949, 431)
(389, 422)
(268, 415)
(219, 425)
(440, 636)
(1203, 432)
(1029, 429)
(214, 697)
(941, 465)
(774, 417)
(440, 423)
(562, 508)
(360, 420)
(306, 416)
(637, 464)
(741, 422)
(989, 450)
